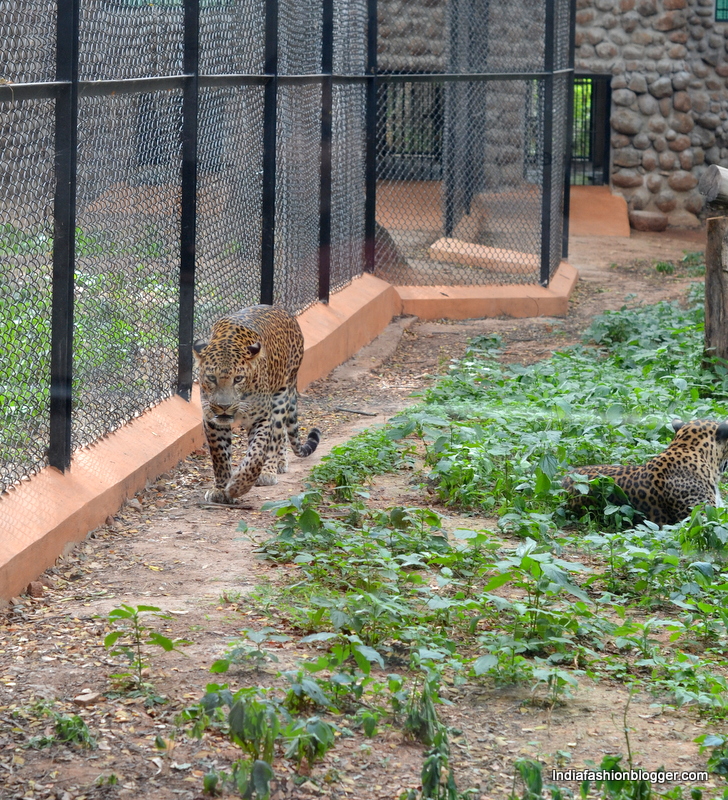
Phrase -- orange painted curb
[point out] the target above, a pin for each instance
(595, 211)
(352, 318)
(469, 302)
(39, 517)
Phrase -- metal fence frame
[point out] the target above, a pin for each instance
(67, 88)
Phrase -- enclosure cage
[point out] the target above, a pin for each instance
(473, 132)
(164, 162)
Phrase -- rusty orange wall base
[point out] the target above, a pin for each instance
(40, 517)
(468, 302)
(352, 318)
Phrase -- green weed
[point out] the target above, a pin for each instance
(133, 639)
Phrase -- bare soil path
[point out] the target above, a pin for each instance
(165, 549)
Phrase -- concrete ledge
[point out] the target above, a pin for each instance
(595, 211)
(353, 317)
(468, 302)
(41, 516)
(483, 257)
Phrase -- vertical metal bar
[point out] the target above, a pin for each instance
(606, 128)
(370, 168)
(188, 221)
(327, 69)
(270, 113)
(569, 131)
(64, 228)
(548, 144)
(451, 133)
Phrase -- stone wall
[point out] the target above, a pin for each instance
(669, 116)
(412, 35)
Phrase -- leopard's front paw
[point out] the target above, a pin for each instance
(266, 479)
(219, 496)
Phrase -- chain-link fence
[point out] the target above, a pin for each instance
(471, 136)
(164, 162)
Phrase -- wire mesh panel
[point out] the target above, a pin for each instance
(347, 201)
(462, 151)
(127, 258)
(297, 196)
(228, 203)
(561, 90)
(127, 217)
(348, 144)
(26, 241)
(229, 153)
(130, 39)
(28, 36)
(298, 169)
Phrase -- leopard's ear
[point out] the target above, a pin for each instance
(198, 350)
(254, 349)
(677, 424)
(721, 433)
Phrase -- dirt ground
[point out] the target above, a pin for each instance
(167, 549)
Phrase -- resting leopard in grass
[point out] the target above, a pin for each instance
(247, 374)
(667, 488)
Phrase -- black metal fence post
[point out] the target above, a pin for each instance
(270, 113)
(569, 130)
(327, 98)
(64, 231)
(452, 123)
(548, 144)
(370, 168)
(188, 226)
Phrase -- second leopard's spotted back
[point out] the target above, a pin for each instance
(667, 488)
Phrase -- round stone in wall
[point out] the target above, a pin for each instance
(627, 179)
(660, 88)
(623, 97)
(681, 101)
(682, 181)
(627, 122)
(666, 201)
(647, 220)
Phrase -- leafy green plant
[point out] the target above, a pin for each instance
(693, 262)
(421, 721)
(133, 640)
(370, 453)
(67, 729)
(249, 652)
(664, 267)
(529, 773)
(558, 683)
(717, 745)
(308, 740)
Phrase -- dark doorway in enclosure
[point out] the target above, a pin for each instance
(590, 132)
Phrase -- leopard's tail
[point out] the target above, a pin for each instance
(308, 447)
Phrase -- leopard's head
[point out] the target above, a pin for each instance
(228, 367)
(704, 436)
